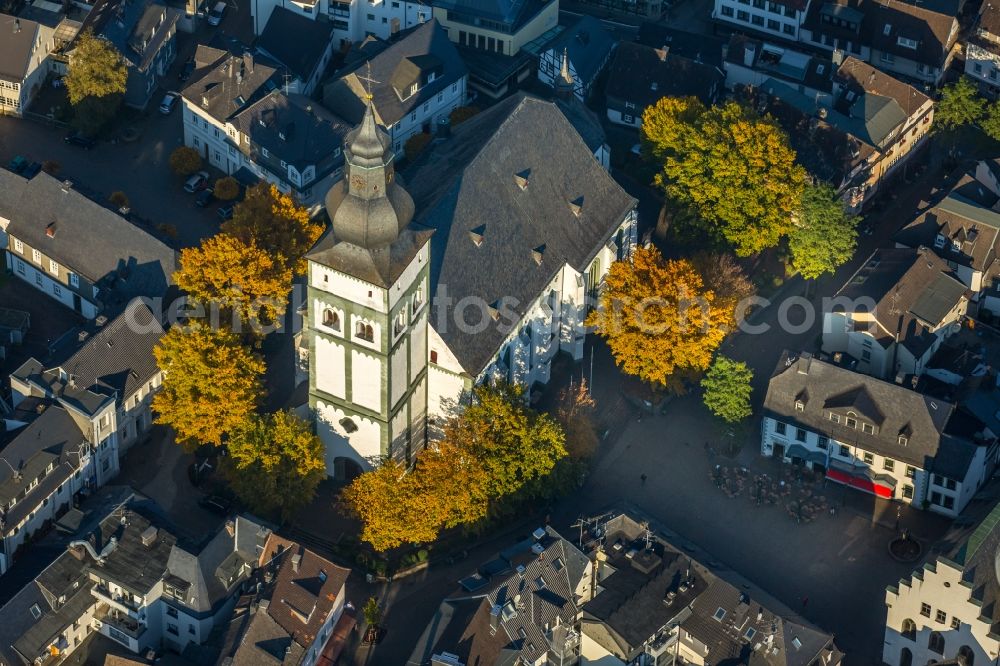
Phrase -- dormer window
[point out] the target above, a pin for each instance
(835, 417)
(413, 89)
(903, 440)
(868, 428)
(851, 423)
(800, 406)
(939, 241)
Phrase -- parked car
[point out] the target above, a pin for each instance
(225, 211)
(169, 102)
(187, 70)
(204, 198)
(80, 139)
(215, 16)
(31, 170)
(18, 164)
(216, 504)
(196, 183)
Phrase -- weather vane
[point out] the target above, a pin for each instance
(367, 78)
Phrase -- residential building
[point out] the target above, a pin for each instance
(764, 18)
(145, 33)
(379, 361)
(895, 311)
(519, 607)
(647, 10)
(416, 83)
(352, 20)
(691, 45)
(134, 581)
(116, 359)
(982, 51)
(963, 228)
(947, 608)
(640, 75)
(856, 129)
(751, 62)
(237, 117)
(56, 242)
(24, 53)
(492, 37)
(72, 422)
(878, 437)
(306, 56)
(587, 47)
(655, 604)
(295, 614)
(902, 37)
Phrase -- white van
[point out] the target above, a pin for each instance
(215, 16)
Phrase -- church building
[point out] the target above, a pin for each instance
(483, 265)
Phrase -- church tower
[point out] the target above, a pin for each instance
(367, 315)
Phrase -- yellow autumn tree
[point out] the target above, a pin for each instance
(391, 505)
(453, 483)
(734, 169)
(276, 223)
(658, 317)
(237, 275)
(212, 383)
(275, 463)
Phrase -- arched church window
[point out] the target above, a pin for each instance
(331, 319)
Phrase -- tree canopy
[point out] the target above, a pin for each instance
(960, 104)
(825, 235)
(276, 223)
(211, 386)
(658, 317)
(732, 167)
(240, 277)
(575, 412)
(495, 448)
(724, 276)
(95, 81)
(226, 189)
(727, 389)
(275, 463)
(184, 160)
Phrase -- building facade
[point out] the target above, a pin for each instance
(24, 63)
(763, 17)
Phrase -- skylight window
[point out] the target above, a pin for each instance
(720, 614)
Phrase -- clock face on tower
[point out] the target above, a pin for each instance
(357, 182)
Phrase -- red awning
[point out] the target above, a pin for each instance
(338, 639)
(860, 482)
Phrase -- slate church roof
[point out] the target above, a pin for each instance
(496, 240)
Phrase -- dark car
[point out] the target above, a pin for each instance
(187, 70)
(31, 170)
(17, 164)
(204, 197)
(80, 139)
(226, 211)
(216, 504)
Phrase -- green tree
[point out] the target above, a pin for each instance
(727, 389)
(226, 188)
(276, 223)
(372, 612)
(991, 121)
(825, 236)
(119, 199)
(960, 104)
(415, 145)
(733, 168)
(212, 383)
(95, 82)
(184, 161)
(275, 463)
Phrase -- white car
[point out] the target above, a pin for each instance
(168, 103)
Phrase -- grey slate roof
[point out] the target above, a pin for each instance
(520, 135)
(295, 41)
(426, 48)
(293, 128)
(794, 67)
(913, 291)
(974, 227)
(892, 409)
(80, 238)
(17, 46)
(584, 121)
(693, 46)
(642, 75)
(588, 45)
(142, 31)
(224, 82)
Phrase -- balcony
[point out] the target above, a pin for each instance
(116, 620)
(116, 601)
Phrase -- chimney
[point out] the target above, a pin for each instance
(296, 561)
(17, 25)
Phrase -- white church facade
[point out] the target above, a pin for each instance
(421, 291)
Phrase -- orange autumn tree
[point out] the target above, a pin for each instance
(238, 276)
(658, 317)
(276, 223)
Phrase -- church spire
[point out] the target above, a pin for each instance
(565, 86)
